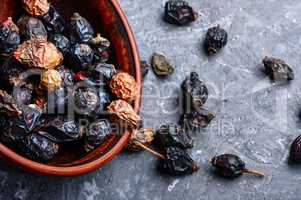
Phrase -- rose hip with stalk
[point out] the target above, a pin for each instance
(231, 166)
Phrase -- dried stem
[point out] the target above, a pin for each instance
(255, 172)
(150, 150)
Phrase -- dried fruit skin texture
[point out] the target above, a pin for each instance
(121, 111)
(61, 42)
(51, 79)
(81, 56)
(53, 21)
(161, 66)
(31, 27)
(216, 38)
(36, 7)
(143, 135)
(8, 105)
(277, 69)
(179, 12)
(178, 162)
(228, 165)
(9, 36)
(38, 53)
(123, 86)
(80, 29)
(295, 151)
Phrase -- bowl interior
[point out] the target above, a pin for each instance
(105, 19)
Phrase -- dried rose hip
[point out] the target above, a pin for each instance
(86, 101)
(101, 73)
(104, 100)
(216, 38)
(39, 148)
(24, 94)
(80, 29)
(172, 135)
(161, 66)
(178, 162)
(197, 119)
(81, 56)
(231, 166)
(8, 105)
(36, 7)
(124, 86)
(295, 151)
(67, 76)
(195, 93)
(57, 101)
(30, 117)
(11, 133)
(101, 47)
(179, 12)
(61, 42)
(53, 21)
(9, 36)
(31, 27)
(97, 133)
(51, 80)
(38, 53)
(144, 136)
(121, 111)
(277, 69)
(60, 130)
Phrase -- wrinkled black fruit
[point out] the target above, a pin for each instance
(67, 76)
(177, 162)
(97, 133)
(9, 105)
(53, 21)
(197, 119)
(60, 130)
(39, 148)
(30, 117)
(57, 101)
(144, 68)
(179, 12)
(101, 47)
(11, 133)
(86, 101)
(100, 73)
(81, 57)
(278, 70)
(228, 165)
(10, 74)
(172, 135)
(24, 94)
(80, 29)
(31, 27)
(61, 42)
(9, 37)
(295, 151)
(195, 93)
(104, 100)
(216, 38)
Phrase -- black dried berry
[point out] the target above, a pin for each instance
(9, 36)
(80, 29)
(104, 100)
(101, 47)
(172, 135)
(58, 101)
(177, 162)
(60, 130)
(81, 57)
(277, 69)
(101, 72)
(30, 117)
(11, 133)
(216, 38)
(53, 21)
(98, 132)
(67, 76)
(144, 68)
(197, 119)
(61, 42)
(295, 151)
(179, 12)
(86, 101)
(8, 105)
(195, 93)
(231, 166)
(31, 27)
(24, 94)
(39, 148)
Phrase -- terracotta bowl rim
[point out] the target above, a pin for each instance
(95, 164)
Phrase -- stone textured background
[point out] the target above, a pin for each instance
(256, 119)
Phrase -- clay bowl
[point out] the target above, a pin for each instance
(107, 18)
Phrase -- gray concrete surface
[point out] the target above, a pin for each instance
(256, 119)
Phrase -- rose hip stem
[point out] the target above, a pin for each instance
(252, 171)
(159, 155)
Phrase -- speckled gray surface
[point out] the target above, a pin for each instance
(256, 120)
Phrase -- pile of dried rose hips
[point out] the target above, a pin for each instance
(54, 75)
